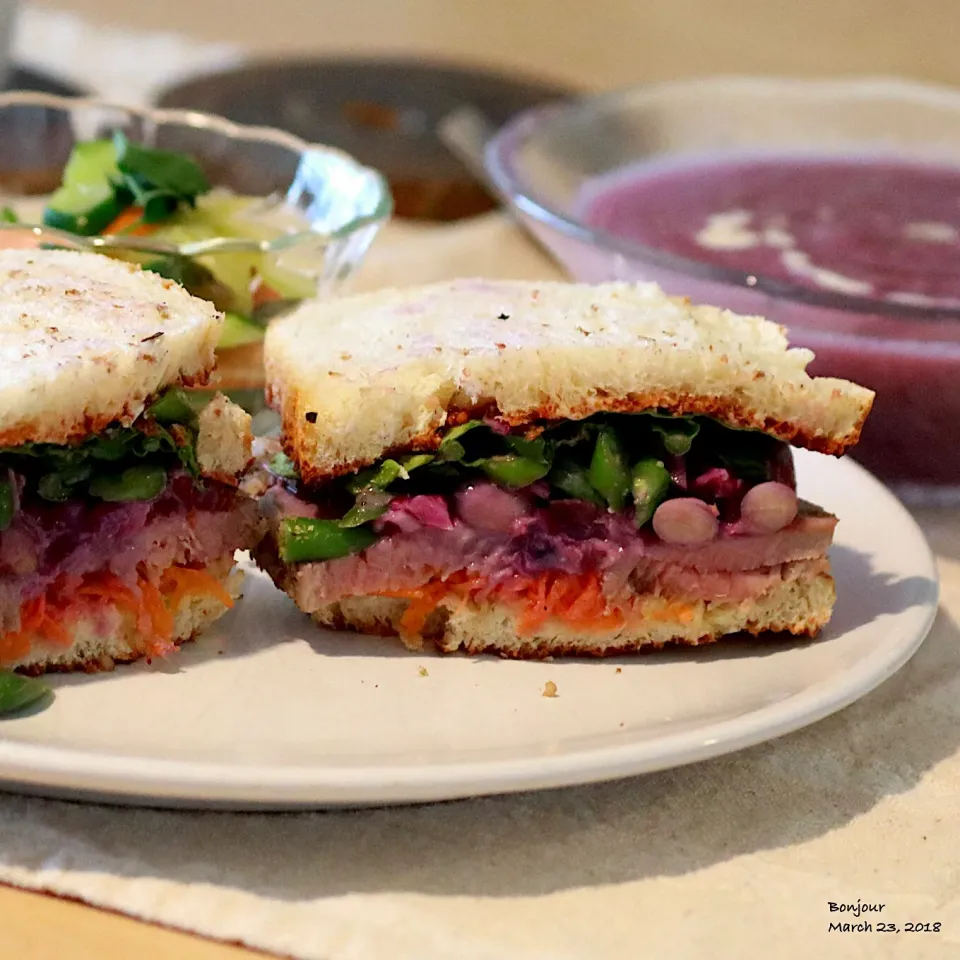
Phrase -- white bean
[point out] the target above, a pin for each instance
(685, 520)
(768, 507)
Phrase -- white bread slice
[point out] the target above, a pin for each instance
(224, 440)
(799, 606)
(86, 340)
(94, 649)
(358, 377)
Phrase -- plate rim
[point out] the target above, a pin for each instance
(97, 776)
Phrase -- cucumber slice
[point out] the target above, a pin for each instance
(86, 201)
(238, 330)
(88, 216)
(222, 214)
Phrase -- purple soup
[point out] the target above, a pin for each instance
(881, 231)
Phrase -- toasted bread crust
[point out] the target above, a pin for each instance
(72, 430)
(224, 441)
(93, 651)
(86, 340)
(797, 608)
(363, 377)
(727, 411)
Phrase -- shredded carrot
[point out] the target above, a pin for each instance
(110, 587)
(589, 604)
(422, 603)
(128, 222)
(537, 608)
(260, 293)
(180, 582)
(161, 621)
(577, 600)
(14, 646)
(54, 630)
(45, 618)
(33, 613)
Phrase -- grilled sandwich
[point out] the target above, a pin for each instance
(119, 504)
(541, 469)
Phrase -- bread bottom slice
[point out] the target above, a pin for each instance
(799, 607)
(110, 635)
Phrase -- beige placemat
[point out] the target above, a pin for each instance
(738, 857)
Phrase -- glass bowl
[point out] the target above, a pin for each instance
(545, 160)
(327, 207)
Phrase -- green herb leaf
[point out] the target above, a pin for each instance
(7, 504)
(51, 487)
(450, 447)
(134, 483)
(537, 449)
(164, 170)
(176, 406)
(8, 215)
(18, 691)
(58, 486)
(752, 467)
(58, 471)
(678, 433)
(282, 466)
(571, 478)
(159, 205)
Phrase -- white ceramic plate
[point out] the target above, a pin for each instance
(270, 711)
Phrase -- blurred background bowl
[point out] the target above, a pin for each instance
(385, 111)
(324, 206)
(544, 160)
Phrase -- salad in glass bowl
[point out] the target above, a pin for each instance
(252, 219)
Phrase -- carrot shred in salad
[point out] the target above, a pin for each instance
(130, 222)
(577, 601)
(149, 603)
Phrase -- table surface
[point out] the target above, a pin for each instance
(564, 39)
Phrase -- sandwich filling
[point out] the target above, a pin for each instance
(124, 523)
(590, 524)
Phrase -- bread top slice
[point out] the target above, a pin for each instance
(85, 340)
(358, 377)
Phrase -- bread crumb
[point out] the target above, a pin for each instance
(423, 672)
(619, 670)
(549, 689)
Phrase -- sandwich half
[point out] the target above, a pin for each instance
(534, 470)
(119, 504)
